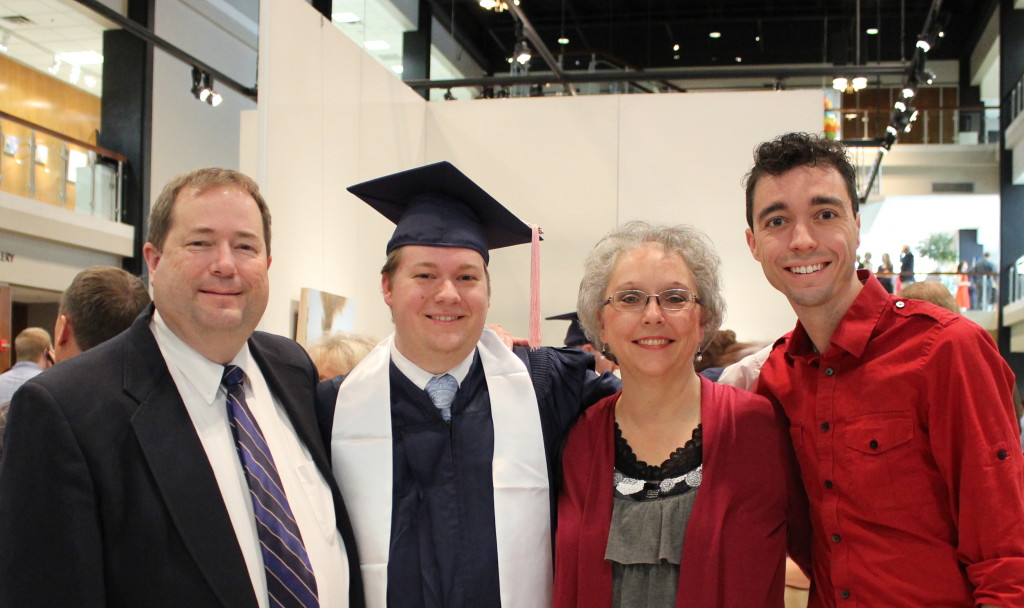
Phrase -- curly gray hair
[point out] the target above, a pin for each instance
(691, 244)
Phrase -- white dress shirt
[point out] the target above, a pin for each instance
(199, 383)
(419, 376)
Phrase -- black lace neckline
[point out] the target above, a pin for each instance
(683, 460)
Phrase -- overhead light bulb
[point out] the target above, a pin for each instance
(839, 83)
(900, 106)
(924, 45)
(675, 47)
(715, 35)
(871, 31)
(928, 76)
(913, 116)
(859, 83)
(563, 40)
(522, 53)
(488, 4)
(909, 92)
(215, 99)
(204, 94)
(892, 131)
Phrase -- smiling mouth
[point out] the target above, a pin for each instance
(653, 341)
(444, 318)
(806, 269)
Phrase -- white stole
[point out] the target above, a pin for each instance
(361, 452)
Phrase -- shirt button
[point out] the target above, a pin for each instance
(828, 484)
(845, 594)
(1002, 454)
(873, 444)
(900, 304)
(824, 427)
(829, 371)
(836, 538)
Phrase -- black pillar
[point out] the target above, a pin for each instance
(416, 48)
(126, 116)
(1011, 216)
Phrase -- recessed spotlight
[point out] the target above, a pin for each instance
(563, 40)
(739, 60)
(675, 47)
(871, 31)
(345, 17)
(715, 35)
(376, 45)
(757, 39)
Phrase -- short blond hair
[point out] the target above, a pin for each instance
(335, 354)
(30, 344)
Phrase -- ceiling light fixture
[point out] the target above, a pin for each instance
(839, 83)
(522, 53)
(563, 40)
(6, 40)
(675, 47)
(495, 5)
(871, 31)
(715, 35)
(859, 83)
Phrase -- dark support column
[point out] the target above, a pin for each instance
(1011, 217)
(323, 7)
(416, 48)
(127, 116)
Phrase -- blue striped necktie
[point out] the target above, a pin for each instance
(290, 580)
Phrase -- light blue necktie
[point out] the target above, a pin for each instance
(442, 391)
(290, 580)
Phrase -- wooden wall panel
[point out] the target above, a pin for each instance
(47, 101)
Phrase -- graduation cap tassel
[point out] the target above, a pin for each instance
(535, 287)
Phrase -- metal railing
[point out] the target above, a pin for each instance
(972, 290)
(959, 125)
(43, 165)
(1016, 280)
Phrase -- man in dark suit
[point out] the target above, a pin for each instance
(150, 470)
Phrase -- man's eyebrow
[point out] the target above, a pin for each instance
(828, 200)
(770, 209)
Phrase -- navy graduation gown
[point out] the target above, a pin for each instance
(443, 550)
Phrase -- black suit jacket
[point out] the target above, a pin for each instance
(106, 494)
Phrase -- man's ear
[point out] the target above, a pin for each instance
(62, 331)
(752, 244)
(385, 287)
(152, 255)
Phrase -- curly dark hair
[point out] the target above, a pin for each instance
(793, 150)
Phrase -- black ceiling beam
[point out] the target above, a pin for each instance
(774, 72)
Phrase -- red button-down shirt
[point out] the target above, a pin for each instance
(906, 438)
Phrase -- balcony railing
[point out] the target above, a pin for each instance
(971, 290)
(55, 169)
(1016, 280)
(960, 125)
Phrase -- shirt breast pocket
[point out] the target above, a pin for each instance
(319, 497)
(878, 447)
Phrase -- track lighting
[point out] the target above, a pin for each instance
(522, 52)
(202, 88)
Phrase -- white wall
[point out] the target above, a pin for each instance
(188, 134)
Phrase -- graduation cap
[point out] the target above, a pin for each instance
(575, 336)
(438, 206)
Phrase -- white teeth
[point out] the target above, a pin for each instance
(806, 269)
(653, 341)
(443, 318)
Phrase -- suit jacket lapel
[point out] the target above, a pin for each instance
(181, 470)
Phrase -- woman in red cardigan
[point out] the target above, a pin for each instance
(676, 491)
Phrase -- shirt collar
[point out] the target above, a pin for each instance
(204, 375)
(855, 328)
(419, 376)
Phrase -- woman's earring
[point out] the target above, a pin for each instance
(699, 357)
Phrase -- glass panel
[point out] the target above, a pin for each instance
(49, 170)
(14, 159)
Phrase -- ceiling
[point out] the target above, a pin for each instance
(640, 34)
(39, 32)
